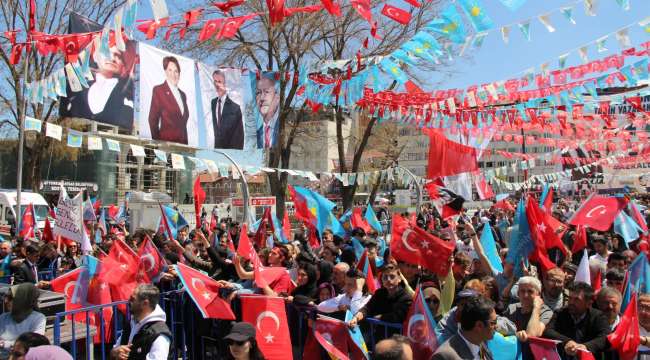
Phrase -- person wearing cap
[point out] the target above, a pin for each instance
(242, 344)
(20, 316)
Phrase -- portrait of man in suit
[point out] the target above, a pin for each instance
(267, 100)
(169, 113)
(226, 116)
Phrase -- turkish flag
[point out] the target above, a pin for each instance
(119, 269)
(47, 235)
(226, 6)
(263, 275)
(416, 246)
(276, 11)
(286, 224)
(542, 229)
(26, 230)
(579, 239)
(504, 205)
(447, 157)
(71, 45)
(598, 212)
(625, 338)
(364, 266)
(358, 221)
(264, 226)
(419, 327)
(204, 291)
(232, 25)
(113, 211)
(210, 28)
(332, 6)
(199, 199)
(401, 16)
(213, 222)
(302, 9)
(332, 335)
(363, 8)
(544, 348)
(152, 264)
(65, 285)
(269, 317)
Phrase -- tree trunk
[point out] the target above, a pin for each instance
(375, 188)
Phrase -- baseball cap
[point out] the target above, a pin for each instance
(241, 331)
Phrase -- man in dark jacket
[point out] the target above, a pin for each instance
(147, 336)
(579, 325)
(390, 303)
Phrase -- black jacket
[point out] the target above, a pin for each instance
(217, 267)
(24, 274)
(229, 134)
(143, 340)
(591, 331)
(392, 309)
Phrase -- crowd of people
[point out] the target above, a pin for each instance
(521, 300)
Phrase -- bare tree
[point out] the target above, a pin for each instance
(299, 40)
(51, 18)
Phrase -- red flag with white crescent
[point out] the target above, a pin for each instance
(269, 317)
(401, 16)
(152, 264)
(204, 291)
(419, 327)
(598, 212)
(416, 246)
(199, 199)
(119, 269)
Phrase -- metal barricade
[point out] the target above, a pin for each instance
(375, 324)
(66, 324)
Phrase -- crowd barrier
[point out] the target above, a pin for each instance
(194, 337)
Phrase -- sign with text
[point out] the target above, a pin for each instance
(256, 201)
(68, 217)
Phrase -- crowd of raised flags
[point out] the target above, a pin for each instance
(437, 253)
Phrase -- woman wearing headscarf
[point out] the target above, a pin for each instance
(307, 283)
(325, 270)
(20, 316)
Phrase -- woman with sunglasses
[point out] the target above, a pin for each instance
(242, 344)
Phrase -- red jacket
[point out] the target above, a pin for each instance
(165, 119)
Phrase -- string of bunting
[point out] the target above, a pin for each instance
(94, 142)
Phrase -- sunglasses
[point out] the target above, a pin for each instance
(236, 343)
(433, 301)
(389, 277)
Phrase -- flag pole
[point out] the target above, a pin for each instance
(21, 144)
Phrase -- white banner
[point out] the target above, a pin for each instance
(167, 97)
(68, 217)
(222, 96)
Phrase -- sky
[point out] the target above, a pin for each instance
(498, 61)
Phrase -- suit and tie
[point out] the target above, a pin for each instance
(227, 124)
(166, 120)
(457, 349)
(267, 134)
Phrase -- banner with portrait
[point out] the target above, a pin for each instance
(167, 97)
(109, 96)
(266, 97)
(224, 114)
